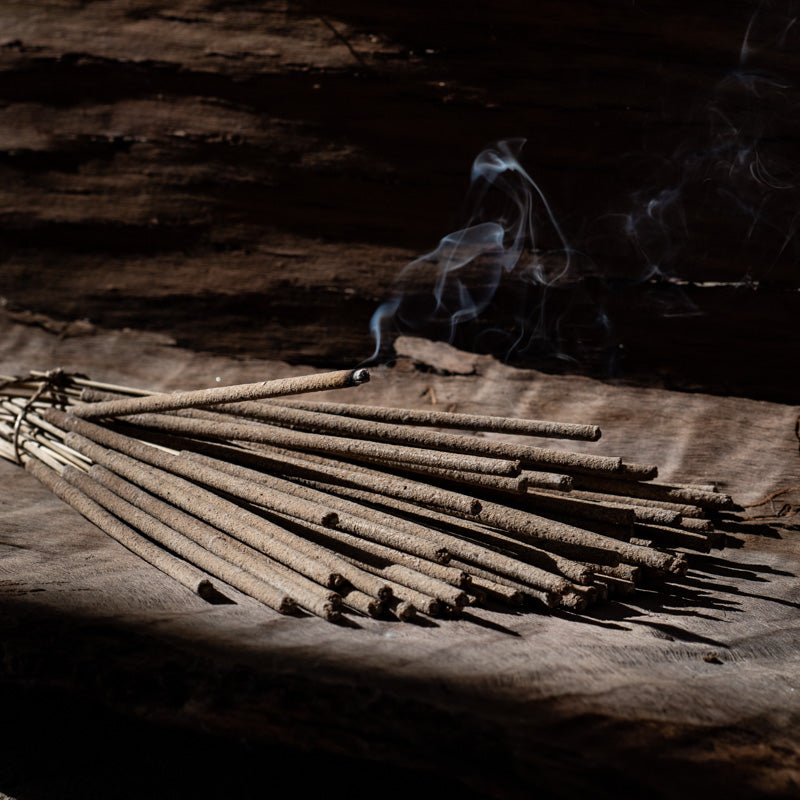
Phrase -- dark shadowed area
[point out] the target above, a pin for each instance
(242, 176)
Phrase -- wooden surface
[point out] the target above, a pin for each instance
(684, 691)
(243, 177)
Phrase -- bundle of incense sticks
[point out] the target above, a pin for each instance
(335, 508)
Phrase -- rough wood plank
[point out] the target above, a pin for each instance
(690, 688)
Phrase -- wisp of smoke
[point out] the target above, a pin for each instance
(737, 173)
(457, 281)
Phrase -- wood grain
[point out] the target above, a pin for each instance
(688, 688)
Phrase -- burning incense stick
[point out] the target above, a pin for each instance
(223, 394)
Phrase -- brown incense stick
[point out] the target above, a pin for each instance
(280, 460)
(491, 581)
(255, 531)
(124, 497)
(360, 548)
(464, 549)
(310, 596)
(404, 610)
(557, 533)
(176, 568)
(525, 552)
(527, 455)
(682, 510)
(338, 445)
(446, 419)
(348, 510)
(653, 491)
(491, 590)
(363, 603)
(222, 394)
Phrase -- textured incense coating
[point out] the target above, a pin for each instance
(402, 609)
(255, 485)
(350, 516)
(283, 546)
(319, 443)
(578, 598)
(654, 491)
(274, 498)
(490, 580)
(428, 440)
(465, 422)
(637, 472)
(679, 509)
(398, 575)
(418, 600)
(539, 500)
(363, 603)
(696, 525)
(497, 591)
(360, 549)
(275, 459)
(222, 394)
(426, 584)
(464, 550)
(602, 507)
(317, 600)
(675, 537)
(552, 532)
(525, 551)
(177, 569)
(519, 484)
(574, 571)
(547, 480)
(481, 480)
(624, 571)
(249, 528)
(127, 498)
(285, 503)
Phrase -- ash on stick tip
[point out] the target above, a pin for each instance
(359, 376)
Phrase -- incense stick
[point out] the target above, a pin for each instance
(446, 419)
(222, 394)
(177, 569)
(362, 508)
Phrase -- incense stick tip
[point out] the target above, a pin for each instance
(358, 376)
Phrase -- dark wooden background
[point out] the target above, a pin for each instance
(251, 177)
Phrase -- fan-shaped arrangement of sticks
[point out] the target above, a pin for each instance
(335, 508)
